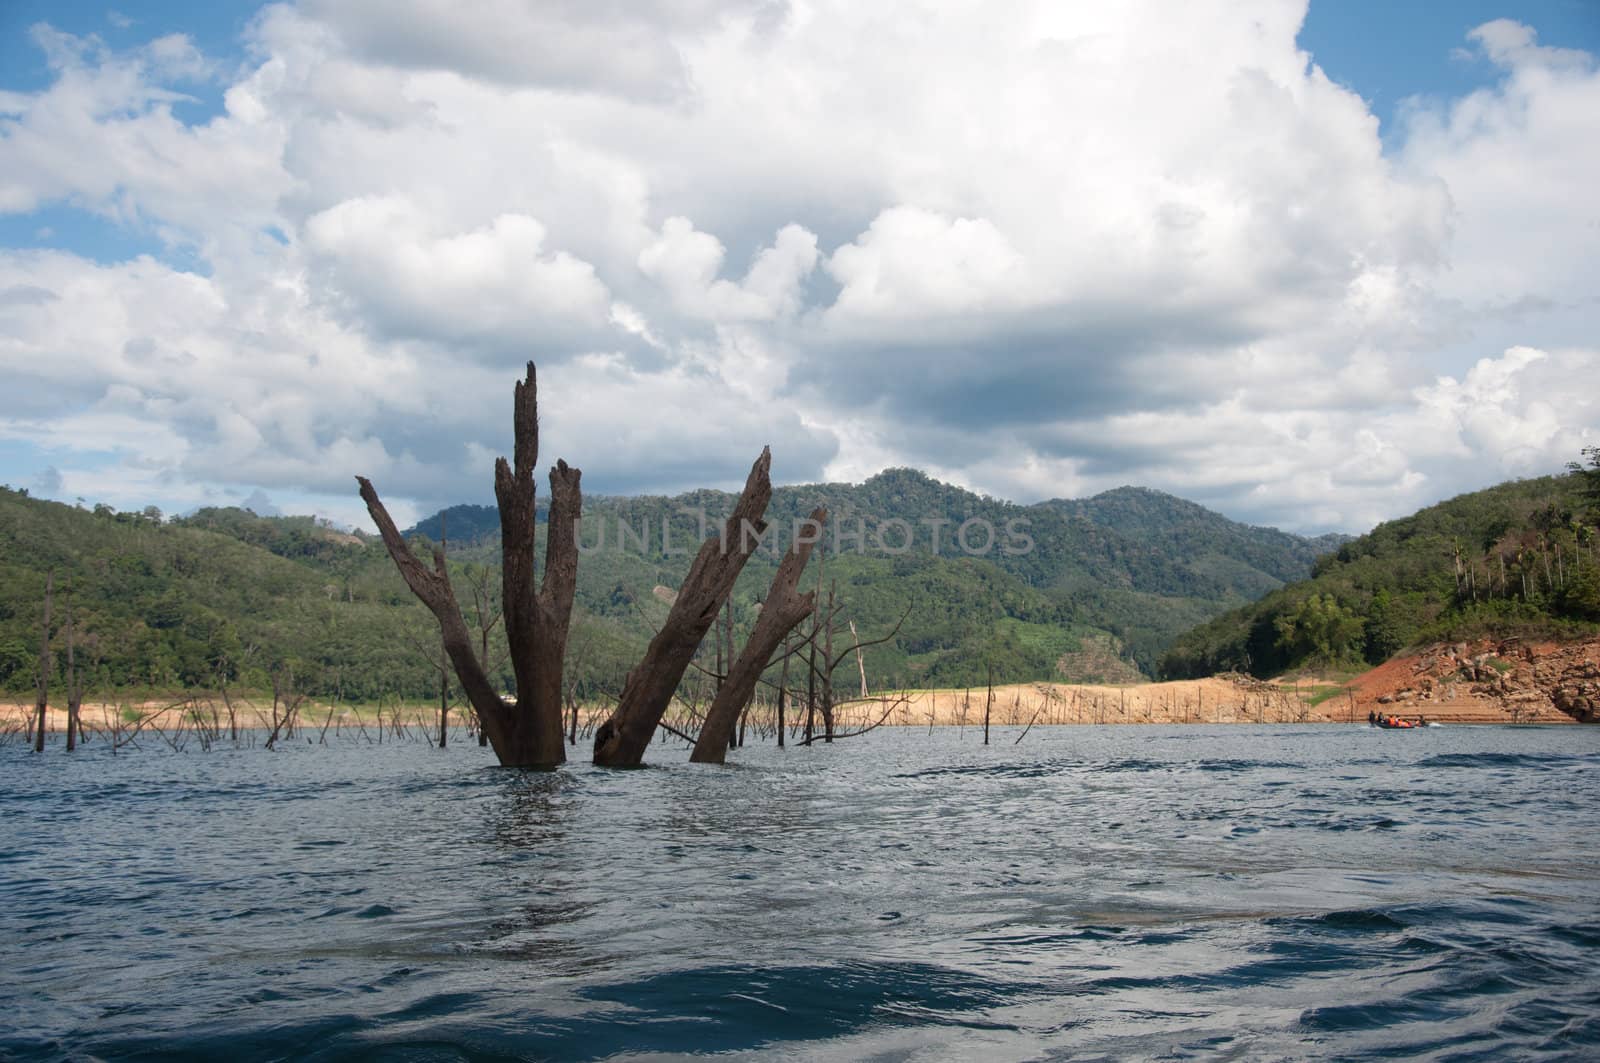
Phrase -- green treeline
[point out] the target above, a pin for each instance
(1520, 558)
(226, 597)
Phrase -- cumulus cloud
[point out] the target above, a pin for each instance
(1037, 249)
(912, 262)
(612, 47)
(104, 137)
(1524, 412)
(497, 284)
(685, 262)
(1519, 160)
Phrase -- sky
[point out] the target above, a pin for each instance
(1311, 267)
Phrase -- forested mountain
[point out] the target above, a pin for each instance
(1133, 565)
(225, 596)
(1251, 560)
(1520, 558)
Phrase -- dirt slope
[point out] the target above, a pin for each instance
(1488, 681)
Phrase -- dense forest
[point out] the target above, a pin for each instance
(1522, 558)
(1076, 589)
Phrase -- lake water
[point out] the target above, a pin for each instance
(1114, 892)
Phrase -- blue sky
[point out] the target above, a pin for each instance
(216, 26)
(726, 213)
(1388, 51)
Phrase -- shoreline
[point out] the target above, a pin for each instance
(1229, 699)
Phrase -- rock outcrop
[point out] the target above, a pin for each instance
(1505, 680)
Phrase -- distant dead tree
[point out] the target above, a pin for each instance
(224, 668)
(439, 661)
(487, 614)
(74, 688)
(823, 661)
(988, 702)
(41, 705)
(283, 694)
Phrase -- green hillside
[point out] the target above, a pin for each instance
(1520, 558)
(1251, 560)
(224, 596)
(1140, 579)
(167, 604)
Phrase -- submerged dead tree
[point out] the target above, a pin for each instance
(784, 608)
(42, 702)
(74, 689)
(526, 732)
(620, 742)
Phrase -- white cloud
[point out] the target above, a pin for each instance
(103, 136)
(685, 262)
(913, 262)
(1520, 161)
(1522, 413)
(1039, 249)
(573, 45)
(497, 284)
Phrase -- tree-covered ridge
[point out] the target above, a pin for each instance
(1135, 580)
(1132, 538)
(1522, 557)
(1202, 539)
(166, 604)
(224, 596)
(461, 524)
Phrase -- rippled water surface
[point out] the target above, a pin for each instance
(1131, 892)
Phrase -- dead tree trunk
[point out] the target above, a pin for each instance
(988, 703)
(526, 734)
(444, 708)
(811, 680)
(724, 620)
(74, 692)
(620, 742)
(728, 655)
(861, 662)
(41, 705)
(283, 690)
(825, 678)
(783, 689)
(784, 608)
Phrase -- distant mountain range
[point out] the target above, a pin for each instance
(1095, 588)
(1130, 568)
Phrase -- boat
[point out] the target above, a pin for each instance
(1395, 723)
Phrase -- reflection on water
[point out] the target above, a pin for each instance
(1194, 892)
